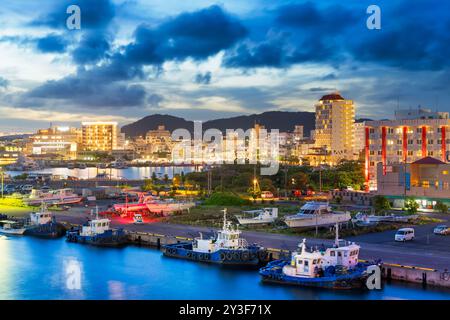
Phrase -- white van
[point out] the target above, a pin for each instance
(404, 234)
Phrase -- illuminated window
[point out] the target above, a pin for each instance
(445, 172)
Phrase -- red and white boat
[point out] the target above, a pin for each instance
(53, 197)
(152, 205)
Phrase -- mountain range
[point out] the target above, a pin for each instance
(281, 120)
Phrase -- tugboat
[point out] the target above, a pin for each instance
(43, 224)
(227, 248)
(97, 232)
(333, 268)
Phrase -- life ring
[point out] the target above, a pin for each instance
(229, 256)
(236, 256)
(245, 256)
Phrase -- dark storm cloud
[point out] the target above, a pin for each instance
(92, 48)
(196, 35)
(52, 43)
(203, 78)
(88, 94)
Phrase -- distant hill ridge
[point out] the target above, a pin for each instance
(282, 120)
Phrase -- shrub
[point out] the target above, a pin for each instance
(381, 203)
(225, 199)
(441, 207)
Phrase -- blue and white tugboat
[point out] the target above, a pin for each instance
(227, 248)
(97, 232)
(334, 268)
(43, 224)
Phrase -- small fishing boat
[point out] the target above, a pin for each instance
(97, 232)
(43, 224)
(11, 227)
(336, 267)
(227, 248)
(313, 214)
(261, 216)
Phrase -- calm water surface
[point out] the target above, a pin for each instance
(37, 269)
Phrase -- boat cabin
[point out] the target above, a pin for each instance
(39, 218)
(315, 208)
(93, 227)
(227, 238)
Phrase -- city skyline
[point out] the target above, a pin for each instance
(208, 60)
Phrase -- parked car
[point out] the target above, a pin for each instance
(26, 188)
(442, 230)
(45, 189)
(9, 188)
(404, 234)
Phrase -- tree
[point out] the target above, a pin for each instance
(441, 207)
(380, 204)
(166, 178)
(411, 205)
(154, 177)
(299, 181)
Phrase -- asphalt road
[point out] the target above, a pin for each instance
(427, 250)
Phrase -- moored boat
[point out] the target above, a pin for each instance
(97, 232)
(227, 248)
(337, 267)
(11, 227)
(43, 224)
(313, 214)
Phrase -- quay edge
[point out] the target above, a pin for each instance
(389, 271)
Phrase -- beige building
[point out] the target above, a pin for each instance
(360, 134)
(410, 137)
(55, 142)
(335, 118)
(99, 136)
(427, 180)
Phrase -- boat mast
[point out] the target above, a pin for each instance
(224, 218)
(336, 241)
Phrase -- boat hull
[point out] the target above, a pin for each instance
(309, 221)
(244, 221)
(16, 232)
(354, 279)
(55, 201)
(110, 238)
(49, 230)
(252, 256)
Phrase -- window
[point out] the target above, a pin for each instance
(332, 253)
(430, 141)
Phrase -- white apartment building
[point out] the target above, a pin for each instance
(335, 127)
(408, 138)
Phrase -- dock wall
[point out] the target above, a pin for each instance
(389, 271)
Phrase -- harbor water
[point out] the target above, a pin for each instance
(55, 269)
(131, 173)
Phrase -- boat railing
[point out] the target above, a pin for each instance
(242, 243)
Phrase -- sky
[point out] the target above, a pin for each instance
(204, 60)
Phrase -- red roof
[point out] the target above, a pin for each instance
(428, 160)
(332, 96)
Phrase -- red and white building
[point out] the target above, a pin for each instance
(414, 134)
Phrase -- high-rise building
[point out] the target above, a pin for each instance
(408, 138)
(335, 118)
(360, 132)
(99, 136)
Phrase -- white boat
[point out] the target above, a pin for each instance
(313, 214)
(53, 197)
(119, 164)
(168, 206)
(11, 227)
(366, 219)
(261, 216)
